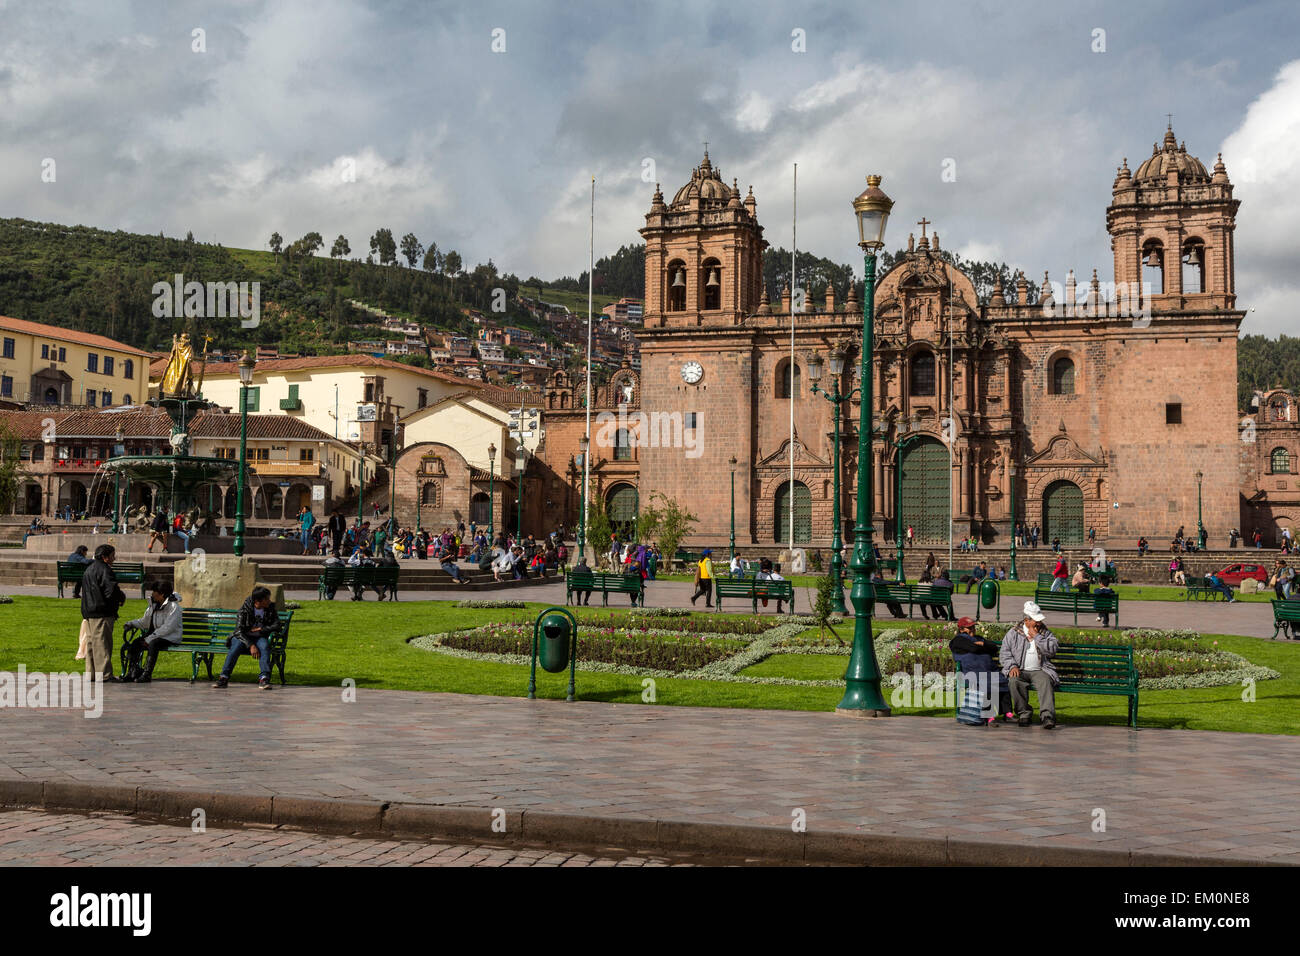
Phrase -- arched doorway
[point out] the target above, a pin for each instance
(478, 509)
(51, 396)
(926, 485)
(268, 503)
(1063, 513)
(298, 496)
(31, 499)
(73, 493)
(621, 506)
(802, 513)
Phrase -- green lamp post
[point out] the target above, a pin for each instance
(583, 442)
(519, 505)
(1200, 525)
(1011, 470)
(862, 694)
(733, 507)
(836, 365)
(492, 474)
(246, 365)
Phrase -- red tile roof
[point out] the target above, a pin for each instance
(148, 422)
(67, 335)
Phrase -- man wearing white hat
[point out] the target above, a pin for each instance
(1026, 658)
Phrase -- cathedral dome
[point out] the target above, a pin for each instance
(1171, 158)
(706, 184)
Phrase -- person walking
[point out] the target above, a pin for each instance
(306, 521)
(911, 536)
(1034, 536)
(704, 578)
(101, 597)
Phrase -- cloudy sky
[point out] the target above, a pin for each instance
(491, 152)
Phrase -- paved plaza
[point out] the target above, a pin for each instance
(903, 789)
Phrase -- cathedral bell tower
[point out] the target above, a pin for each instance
(703, 254)
(1171, 225)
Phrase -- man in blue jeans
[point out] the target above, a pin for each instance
(1216, 584)
(306, 521)
(257, 621)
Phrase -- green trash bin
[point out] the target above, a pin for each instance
(990, 597)
(555, 637)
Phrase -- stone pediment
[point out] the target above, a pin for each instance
(802, 456)
(1064, 451)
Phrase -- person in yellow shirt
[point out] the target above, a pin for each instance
(704, 578)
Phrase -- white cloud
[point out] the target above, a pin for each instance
(1263, 160)
(754, 114)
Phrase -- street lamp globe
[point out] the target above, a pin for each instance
(871, 208)
(246, 365)
(815, 368)
(836, 363)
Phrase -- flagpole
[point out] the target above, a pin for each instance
(794, 244)
(952, 427)
(586, 454)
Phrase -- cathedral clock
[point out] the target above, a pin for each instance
(692, 372)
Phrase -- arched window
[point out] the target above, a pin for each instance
(126, 399)
(711, 284)
(787, 384)
(429, 494)
(802, 513)
(677, 286)
(921, 379)
(1281, 461)
(1193, 266)
(1153, 267)
(1063, 376)
(622, 445)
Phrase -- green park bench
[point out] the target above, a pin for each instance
(606, 584)
(923, 595)
(206, 632)
(1076, 601)
(1285, 613)
(754, 590)
(1200, 588)
(1106, 669)
(70, 572)
(382, 576)
(686, 558)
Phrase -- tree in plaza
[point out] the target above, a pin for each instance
(599, 527)
(340, 248)
(822, 606)
(647, 523)
(276, 243)
(675, 523)
(383, 246)
(412, 249)
(10, 462)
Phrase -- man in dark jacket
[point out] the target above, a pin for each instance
(100, 599)
(338, 528)
(257, 621)
(78, 556)
(976, 656)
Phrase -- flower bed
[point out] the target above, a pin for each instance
(670, 651)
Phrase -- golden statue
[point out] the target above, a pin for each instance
(178, 378)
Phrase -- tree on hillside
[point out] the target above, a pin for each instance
(383, 246)
(340, 248)
(304, 247)
(412, 250)
(451, 268)
(432, 259)
(276, 244)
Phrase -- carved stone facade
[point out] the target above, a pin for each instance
(1106, 417)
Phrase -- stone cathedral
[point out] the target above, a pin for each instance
(1099, 407)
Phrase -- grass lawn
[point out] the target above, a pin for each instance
(368, 643)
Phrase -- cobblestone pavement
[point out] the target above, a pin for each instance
(36, 838)
(1175, 791)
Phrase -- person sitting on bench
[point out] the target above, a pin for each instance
(765, 573)
(1079, 582)
(78, 557)
(976, 657)
(977, 575)
(1026, 657)
(159, 626)
(941, 612)
(582, 597)
(1216, 584)
(895, 608)
(257, 621)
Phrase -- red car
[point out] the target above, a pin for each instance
(1234, 574)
